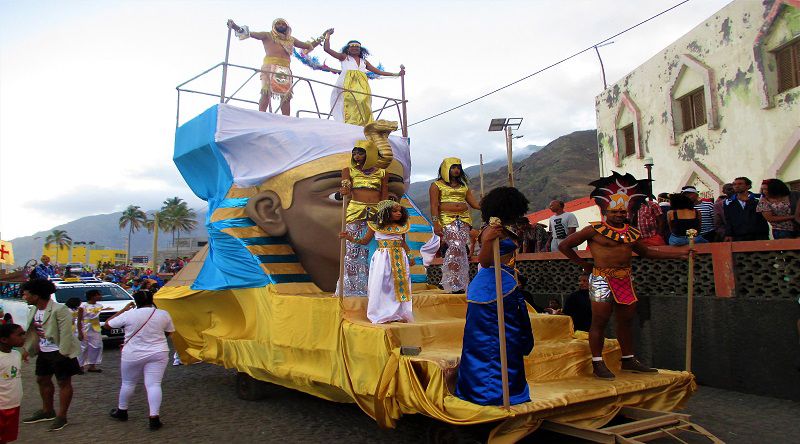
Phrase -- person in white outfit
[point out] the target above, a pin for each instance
(145, 353)
(389, 284)
(354, 105)
(92, 342)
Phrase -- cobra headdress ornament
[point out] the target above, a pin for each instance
(616, 192)
(376, 144)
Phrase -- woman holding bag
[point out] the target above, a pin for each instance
(144, 353)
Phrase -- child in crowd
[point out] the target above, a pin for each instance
(479, 378)
(92, 343)
(11, 335)
(389, 284)
(74, 304)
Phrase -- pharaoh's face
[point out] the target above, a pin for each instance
(455, 171)
(281, 26)
(314, 221)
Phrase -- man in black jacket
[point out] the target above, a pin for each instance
(742, 222)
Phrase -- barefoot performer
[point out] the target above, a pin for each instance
(451, 200)
(611, 284)
(276, 77)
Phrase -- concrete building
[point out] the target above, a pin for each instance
(78, 253)
(721, 102)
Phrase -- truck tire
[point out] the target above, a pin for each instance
(249, 388)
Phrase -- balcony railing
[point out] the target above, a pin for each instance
(315, 88)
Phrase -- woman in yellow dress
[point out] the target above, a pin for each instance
(366, 182)
(451, 200)
(353, 107)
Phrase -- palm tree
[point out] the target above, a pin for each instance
(176, 216)
(58, 238)
(134, 219)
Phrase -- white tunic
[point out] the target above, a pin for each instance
(337, 96)
(383, 306)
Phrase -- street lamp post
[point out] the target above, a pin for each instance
(507, 125)
(648, 165)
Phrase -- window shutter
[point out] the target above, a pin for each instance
(630, 141)
(686, 112)
(797, 63)
(785, 68)
(699, 108)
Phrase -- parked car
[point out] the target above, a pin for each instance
(113, 296)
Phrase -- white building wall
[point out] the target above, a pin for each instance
(753, 132)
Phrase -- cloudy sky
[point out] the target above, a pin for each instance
(88, 101)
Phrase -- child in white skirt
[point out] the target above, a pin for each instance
(389, 286)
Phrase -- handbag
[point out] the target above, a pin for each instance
(121, 346)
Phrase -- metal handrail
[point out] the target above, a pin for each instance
(389, 102)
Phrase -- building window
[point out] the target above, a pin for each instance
(693, 109)
(628, 140)
(788, 61)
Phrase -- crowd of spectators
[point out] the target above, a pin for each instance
(130, 277)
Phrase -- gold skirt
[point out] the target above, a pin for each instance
(359, 211)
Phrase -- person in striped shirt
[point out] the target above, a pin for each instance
(706, 209)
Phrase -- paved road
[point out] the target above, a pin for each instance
(200, 406)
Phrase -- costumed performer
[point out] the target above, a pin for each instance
(353, 107)
(612, 243)
(479, 377)
(389, 269)
(276, 76)
(92, 342)
(367, 183)
(451, 200)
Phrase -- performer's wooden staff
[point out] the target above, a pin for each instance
(501, 318)
(343, 247)
(691, 233)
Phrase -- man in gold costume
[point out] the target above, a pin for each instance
(451, 200)
(276, 76)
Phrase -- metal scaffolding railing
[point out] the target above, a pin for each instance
(387, 103)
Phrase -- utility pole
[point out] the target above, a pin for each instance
(155, 242)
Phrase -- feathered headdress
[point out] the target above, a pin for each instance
(616, 192)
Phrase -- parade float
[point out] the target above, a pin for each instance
(261, 297)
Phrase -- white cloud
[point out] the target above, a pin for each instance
(87, 98)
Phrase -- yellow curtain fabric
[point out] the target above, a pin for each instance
(357, 104)
(326, 347)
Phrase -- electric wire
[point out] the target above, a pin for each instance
(553, 64)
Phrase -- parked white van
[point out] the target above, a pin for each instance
(113, 296)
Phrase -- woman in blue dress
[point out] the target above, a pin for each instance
(478, 379)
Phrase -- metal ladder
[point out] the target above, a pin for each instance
(646, 425)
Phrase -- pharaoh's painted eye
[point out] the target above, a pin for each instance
(337, 196)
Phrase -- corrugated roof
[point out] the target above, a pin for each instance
(571, 206)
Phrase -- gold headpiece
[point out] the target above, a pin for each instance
(381, 208)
